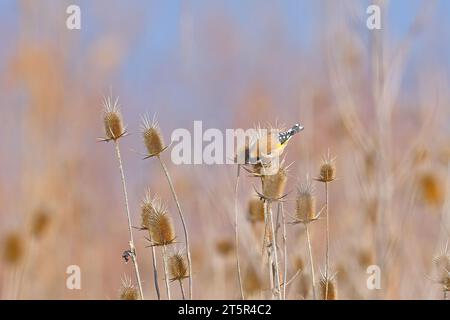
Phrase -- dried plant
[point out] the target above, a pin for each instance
(127, 290)
(154, 143)
(178, 270)
(114, 130)
(149, 207)
(327, 175)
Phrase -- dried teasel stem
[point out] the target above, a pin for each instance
(327, 175)
(311, 261)
(236, 231)
(114, 130)
(182, 289)
(327, 258)
(274, 273)
(283, 221)
(130, 229)
(166, 273)
(155, 145)
(183, 222)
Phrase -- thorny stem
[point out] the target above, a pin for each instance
(327, 261)
(131, 243)
(186, 235)
(313, 281)
(166, 274)
(236, 233)
(155, 273)
(275, 265)
(182, 289)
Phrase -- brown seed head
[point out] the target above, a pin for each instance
(13, 248)
(274, 185)
(327, 169)
(177, 267)
(161, 228)
(153, 139)
(128, 291)
(112, 119)
(306, 203)
(256, 210)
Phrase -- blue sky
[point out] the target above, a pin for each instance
(152, 66)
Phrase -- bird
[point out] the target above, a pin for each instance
(268, 144)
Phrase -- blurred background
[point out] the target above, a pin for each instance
(378, 100)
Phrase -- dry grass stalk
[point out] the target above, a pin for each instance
(114, 130)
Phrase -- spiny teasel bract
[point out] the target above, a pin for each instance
(332, 287)
(327, 172)
(149, 206)
(153, 139)
(306, 203)
(178, 269)
(161, 228)
(127, 290)
(256, 210)
(13, 248)
(112, 119)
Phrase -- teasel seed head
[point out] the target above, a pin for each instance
(40, 223)
(13, 248)
(161, 228)
(128, 291)
(306, 203)
(275, 184)
(327, 169)
(332, 288)
(153, 139)
(178, 269)
(112, 119)
(256, 210)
